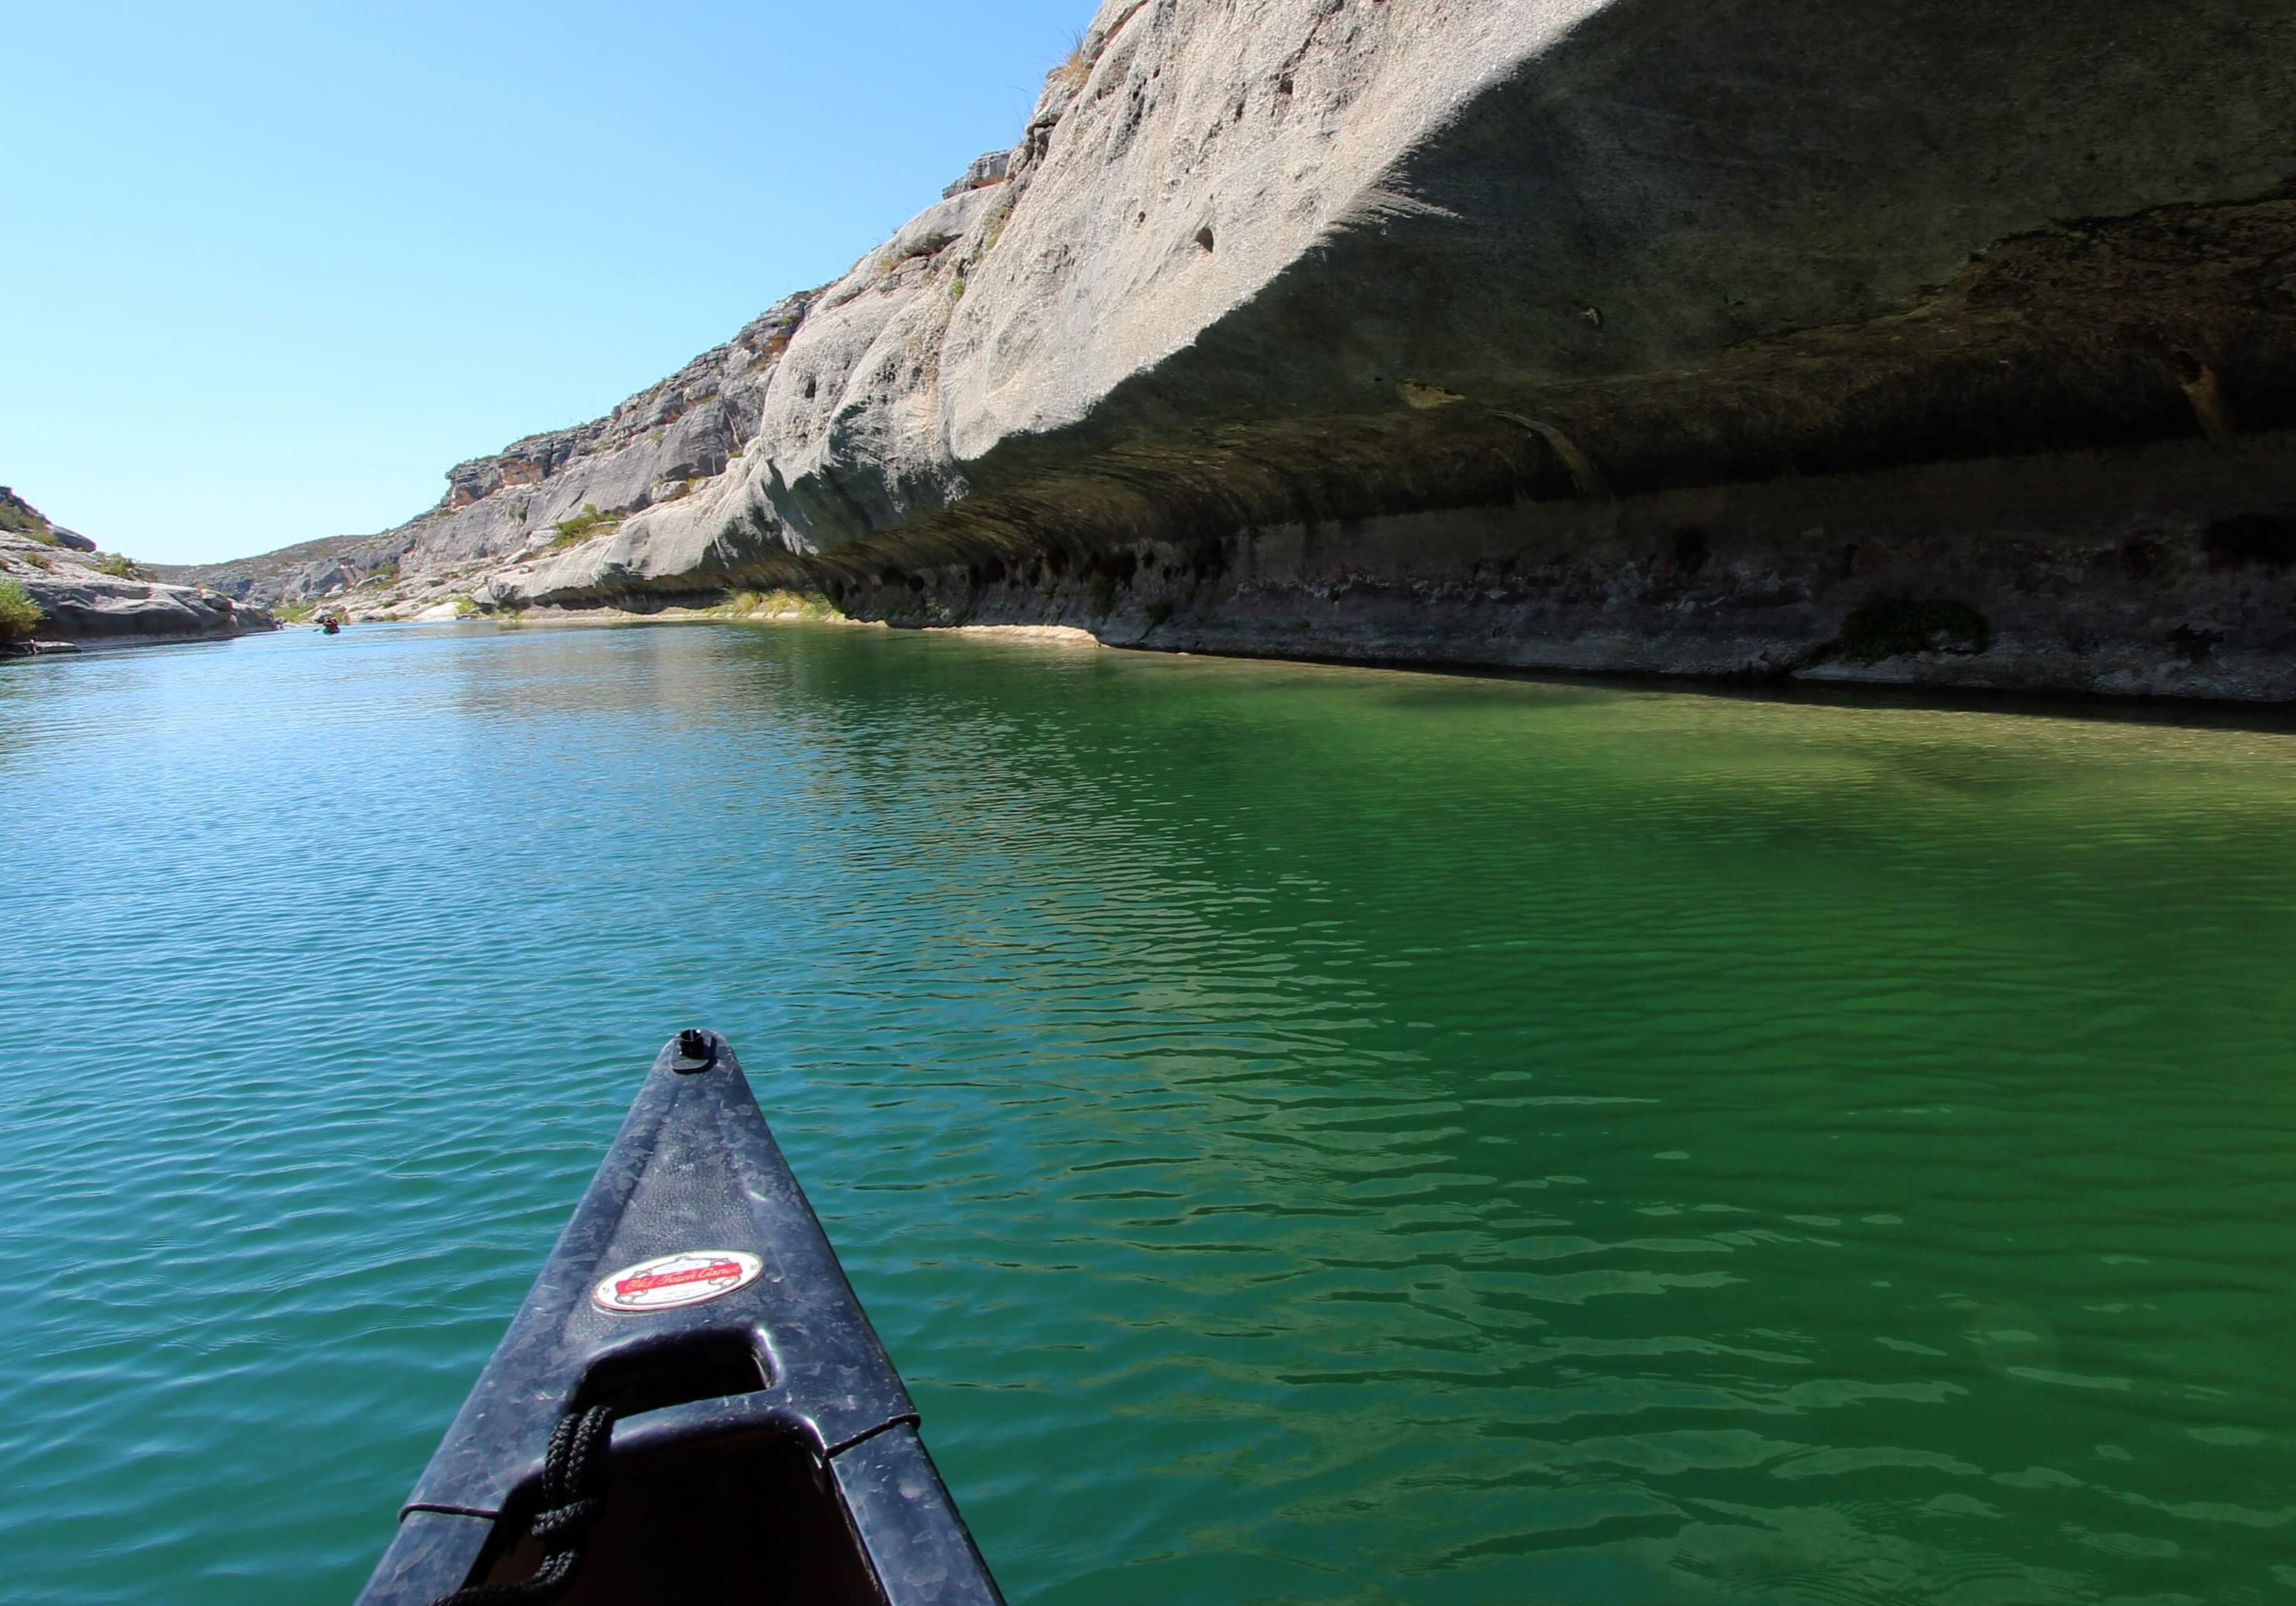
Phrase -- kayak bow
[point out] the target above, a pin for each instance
(691, 1405)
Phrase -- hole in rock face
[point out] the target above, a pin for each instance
(1204, 237)
(811, 385)
(1691, 549)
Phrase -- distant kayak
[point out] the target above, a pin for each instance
(691, 1405)
(331, 626)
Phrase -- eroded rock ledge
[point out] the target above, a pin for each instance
(83, 597)
(1940, 343)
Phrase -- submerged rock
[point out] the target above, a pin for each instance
(1632, 335)
(37, 649)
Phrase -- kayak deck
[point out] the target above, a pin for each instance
(761, 1441)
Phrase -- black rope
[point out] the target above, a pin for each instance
(573, 1479)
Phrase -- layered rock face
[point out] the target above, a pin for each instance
(87, 597)
(1925, 340)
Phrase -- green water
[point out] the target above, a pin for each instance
(1305, 1134)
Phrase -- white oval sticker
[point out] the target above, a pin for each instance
(667, 1282)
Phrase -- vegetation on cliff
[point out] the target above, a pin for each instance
(780, 604)
(578, 528)
(21, 517)
(20, 615)
(55, 581)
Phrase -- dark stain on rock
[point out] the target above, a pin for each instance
(2142, 556)
(2252, 540)
(1884, 626)
(2194, 645)
(1690, 551)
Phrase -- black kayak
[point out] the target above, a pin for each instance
(690, 1407)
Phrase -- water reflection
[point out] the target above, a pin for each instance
(1307, 1135)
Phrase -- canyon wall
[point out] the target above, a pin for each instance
(1925, 340)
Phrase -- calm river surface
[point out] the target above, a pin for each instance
(1305, 1134)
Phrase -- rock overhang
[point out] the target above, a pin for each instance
(1293, 260)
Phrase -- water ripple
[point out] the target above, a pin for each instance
(1307, 1135)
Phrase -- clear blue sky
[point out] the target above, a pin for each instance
(268, 269)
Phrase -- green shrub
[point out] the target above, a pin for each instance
(294, 613)
(119, 566)
(1884, 626)
(20, 615)
(782, 603)
(466, 607)
(578, 528)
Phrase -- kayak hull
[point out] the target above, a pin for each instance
(759, 1429)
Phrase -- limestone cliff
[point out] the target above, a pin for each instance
(1926, 340)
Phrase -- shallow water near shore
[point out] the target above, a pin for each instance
(1305, 1134)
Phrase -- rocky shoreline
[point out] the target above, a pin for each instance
(80, 598)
